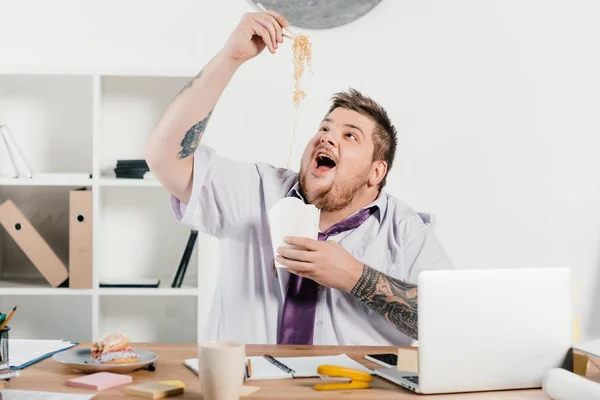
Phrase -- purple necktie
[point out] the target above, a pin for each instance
(298, 316)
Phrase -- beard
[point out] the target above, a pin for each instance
(337, 195)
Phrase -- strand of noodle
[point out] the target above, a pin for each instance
(289, 159)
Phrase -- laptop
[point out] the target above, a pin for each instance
(489, 329)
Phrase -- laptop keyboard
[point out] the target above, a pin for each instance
(413, 379)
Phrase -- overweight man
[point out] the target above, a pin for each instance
(355, 285)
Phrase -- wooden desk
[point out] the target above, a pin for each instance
(49, 375)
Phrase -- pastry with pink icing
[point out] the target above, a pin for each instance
(114, 349)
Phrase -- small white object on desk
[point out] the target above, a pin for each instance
(289, 216)
(560, 384)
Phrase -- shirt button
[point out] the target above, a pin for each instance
(321, 288)
(319, 323)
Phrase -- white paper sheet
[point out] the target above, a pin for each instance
(35, 395)
(291, 217)
(22, 351)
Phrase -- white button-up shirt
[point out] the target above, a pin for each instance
(230, 200)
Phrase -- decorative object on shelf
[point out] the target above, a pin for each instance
(130, 283)
(185, 260)
(33, 245)
(18, 168)
(131, 169)
(320, 14)
(80, 239)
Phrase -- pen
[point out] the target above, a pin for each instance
(8, 317)
(279, 364)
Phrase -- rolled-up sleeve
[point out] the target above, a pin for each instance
(421, 249)
(225, 194)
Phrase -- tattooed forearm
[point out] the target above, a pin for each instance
(395, 300)
(191, 82)
(190, 141)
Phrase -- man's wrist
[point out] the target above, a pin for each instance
(355, 274)
(226, 59)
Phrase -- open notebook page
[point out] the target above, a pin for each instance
(305, 367)
(22, 351)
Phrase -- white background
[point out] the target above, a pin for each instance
(496, 103)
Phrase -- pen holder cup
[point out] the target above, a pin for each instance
(4, 345)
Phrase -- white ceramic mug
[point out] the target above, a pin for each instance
(221, 369)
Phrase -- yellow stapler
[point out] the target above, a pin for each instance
(358, 379)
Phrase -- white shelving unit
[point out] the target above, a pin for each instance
(83, 121)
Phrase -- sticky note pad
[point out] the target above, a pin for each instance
(173, 383)
(99, 381)
(408, 360)
(153, 390)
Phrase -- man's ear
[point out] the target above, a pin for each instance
(378, 171)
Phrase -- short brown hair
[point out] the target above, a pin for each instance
(385, 137)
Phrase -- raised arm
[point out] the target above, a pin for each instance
(394, 299)
(171, 145)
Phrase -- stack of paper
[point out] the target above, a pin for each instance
(35, 395)
(24, 352)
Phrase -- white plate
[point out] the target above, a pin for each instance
(82, 360)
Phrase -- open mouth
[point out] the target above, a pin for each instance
(325, 162)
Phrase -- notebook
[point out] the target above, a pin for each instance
(25, 352)
(303, 367)
(99, 381)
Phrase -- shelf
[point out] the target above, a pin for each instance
(49, 317)
(132, 72)
(46, 181)
(50, 119)
(183, 291)
(122, 182)
(150, 319)
(35, 286)
(164, 289)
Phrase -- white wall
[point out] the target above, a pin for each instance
(496, 103)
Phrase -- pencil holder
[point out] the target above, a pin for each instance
(4, 347)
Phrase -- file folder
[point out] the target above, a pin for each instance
(33, 245)
(80, 239)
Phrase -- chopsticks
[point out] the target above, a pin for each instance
(290, 35)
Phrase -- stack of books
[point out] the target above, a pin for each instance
(132, 169)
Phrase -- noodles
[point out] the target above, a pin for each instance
(302, 56)
(302, 59)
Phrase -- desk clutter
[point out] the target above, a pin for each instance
(336, 372)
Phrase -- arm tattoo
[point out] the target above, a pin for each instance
(190, 141)
(395, 300)
(191, 82)
(192, 138)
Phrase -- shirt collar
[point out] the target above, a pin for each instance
(380, 202)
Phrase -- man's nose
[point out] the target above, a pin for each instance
(328, 138)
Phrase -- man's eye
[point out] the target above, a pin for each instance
(351, 135)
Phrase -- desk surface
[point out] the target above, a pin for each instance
(49, 375)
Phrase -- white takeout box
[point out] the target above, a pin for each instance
(289, 216)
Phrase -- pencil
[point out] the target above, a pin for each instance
(249, 368)
(8, 317)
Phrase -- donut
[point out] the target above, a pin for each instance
(114, 349)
